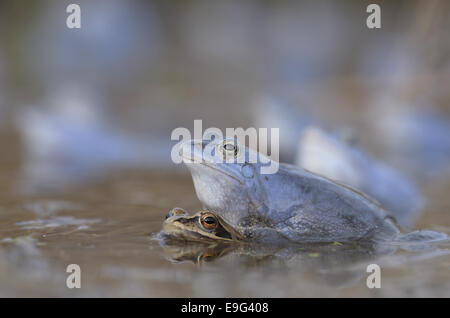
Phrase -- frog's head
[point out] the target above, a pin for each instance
(203, 226)
(222, 171)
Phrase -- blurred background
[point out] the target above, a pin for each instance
(138, 69)
(86, 114)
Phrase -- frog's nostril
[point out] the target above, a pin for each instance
(247, 171)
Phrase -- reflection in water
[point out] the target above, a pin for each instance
(334, 264)
(196, 253)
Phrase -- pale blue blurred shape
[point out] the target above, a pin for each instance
(332, 157)
(71, 140)
(273, 112)
(416, 139)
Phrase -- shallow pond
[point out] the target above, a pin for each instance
(106, 226)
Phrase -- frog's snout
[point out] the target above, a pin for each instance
(192, 148)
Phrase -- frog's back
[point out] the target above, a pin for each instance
(308, 207)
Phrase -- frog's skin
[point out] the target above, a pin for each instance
(325, 154)
(203, 226)
(292, 204)
(219, 239)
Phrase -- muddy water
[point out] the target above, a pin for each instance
(106, 227)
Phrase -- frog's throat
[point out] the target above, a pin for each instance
(206, 164)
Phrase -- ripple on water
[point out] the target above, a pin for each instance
(57, 221)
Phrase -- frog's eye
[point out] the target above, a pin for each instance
(229, 148)
(208, 221)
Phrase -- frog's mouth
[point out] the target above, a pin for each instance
(204, 163)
